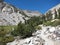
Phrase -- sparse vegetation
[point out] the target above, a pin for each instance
(59, 13)
(54, 23)
(23, 30)
(38, 27)
(4, 35)
(30, 26)
(6, 39)
(49, 16)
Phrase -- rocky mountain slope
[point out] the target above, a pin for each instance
(47, 35)
(54, 11)
(10, 15)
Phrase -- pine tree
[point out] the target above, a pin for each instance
(56, 16)
(43, 18)
(59, 13)
(49, 15)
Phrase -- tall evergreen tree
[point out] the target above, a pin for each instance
(49, 15)
(56, 16)
(59, 13)
(43, 18)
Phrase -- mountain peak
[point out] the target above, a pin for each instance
(55, 7)
(54, 11)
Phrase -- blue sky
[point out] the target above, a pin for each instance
(38, 5)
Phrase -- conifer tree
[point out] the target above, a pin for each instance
(56, 16)
(49, 15)
(59, 13)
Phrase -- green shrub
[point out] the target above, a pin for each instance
(26, 29)
(34, 21)
(54, 23)
(48, 23)
(15, 33)
(3, 32)
(6, 39)
(23, 30)
(38, 27)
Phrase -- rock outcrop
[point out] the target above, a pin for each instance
(54, 11)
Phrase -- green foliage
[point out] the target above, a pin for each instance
(43, 18)
(34, 21)
(30, 26)
(6, 29)
(6, 39)
(59, 13)
(56, 23)
(23, 30)
(49, 16)
(15, 33)
(49, 23)
(26, 30)
(56, 16)
(2, 32)
(3, 35)
(38, 27)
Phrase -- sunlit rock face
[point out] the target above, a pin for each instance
(32, 13)
(53, 9)
(10, 15)
(47, 36)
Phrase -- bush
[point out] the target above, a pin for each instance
(49, 23)
(23, 30)
(38, 27)
(3, 32)
(15, 33)
(56, 23)
(6, 39)
(26, 30)
(34, 21)
(3, 36)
